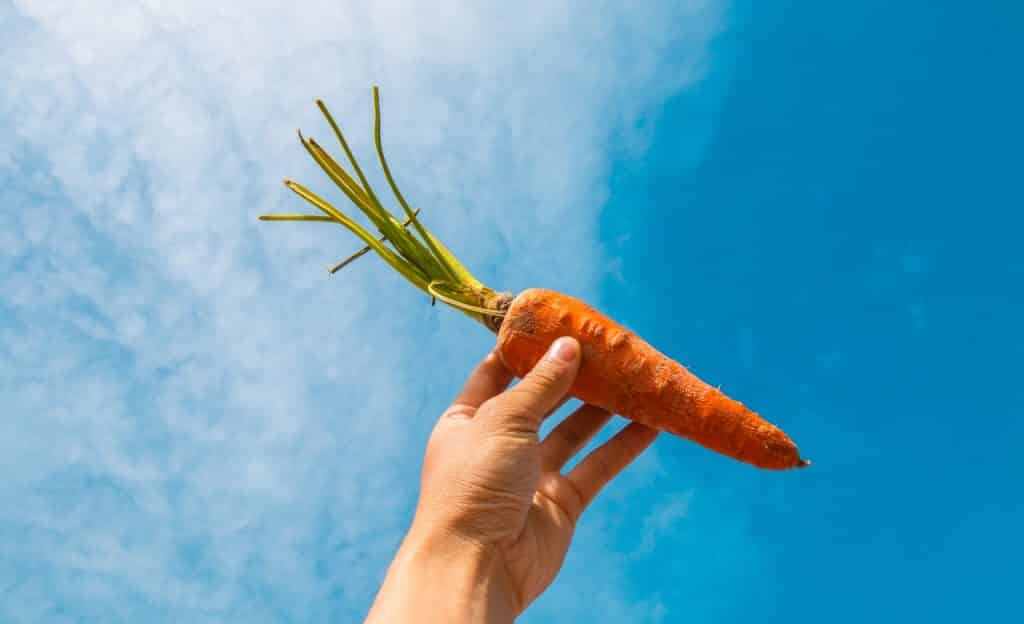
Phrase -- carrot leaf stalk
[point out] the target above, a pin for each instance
(413, 252)
(359, 254)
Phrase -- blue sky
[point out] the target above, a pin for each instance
(815, 206)
(845, 256)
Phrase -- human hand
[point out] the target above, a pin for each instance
(496, 514)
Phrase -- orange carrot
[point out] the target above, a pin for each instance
(619, 372)
(623, 374)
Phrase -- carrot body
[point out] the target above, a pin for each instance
(625, 375)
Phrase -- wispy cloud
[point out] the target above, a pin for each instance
(661, 520)
(198, 424)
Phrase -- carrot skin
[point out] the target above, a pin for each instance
(625, 375)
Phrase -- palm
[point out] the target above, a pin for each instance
(488, 476)
(534, 556)
(511, 492)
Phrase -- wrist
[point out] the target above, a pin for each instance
(444, 578)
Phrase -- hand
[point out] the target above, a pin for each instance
(496, 515)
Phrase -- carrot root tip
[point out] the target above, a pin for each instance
(804, 463)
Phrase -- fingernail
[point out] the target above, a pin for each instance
(563, 350)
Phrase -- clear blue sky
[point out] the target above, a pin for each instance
(815, 205)
(847, 258)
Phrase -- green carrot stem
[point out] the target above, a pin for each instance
(372, 202)
(387, 225)
(359, 254)
(364, 198)
(408, 271)
(296, 217)
(449, 272)
(417, 255)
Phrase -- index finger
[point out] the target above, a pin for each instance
(487, 380)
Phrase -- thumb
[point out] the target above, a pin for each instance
(524, 406)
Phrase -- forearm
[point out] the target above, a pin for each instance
(441, 579)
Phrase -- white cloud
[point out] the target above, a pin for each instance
(198, 423)
(666, 515)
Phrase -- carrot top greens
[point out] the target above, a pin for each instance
(413, 252)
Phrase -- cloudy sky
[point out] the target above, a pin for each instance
(813, 208)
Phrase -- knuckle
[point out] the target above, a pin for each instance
(563, 494)
(524, 397)
(637, 438)
(544, 376)
(459, 410)
(512, 417)
(603, 468)
(574, 436)
(529, 395)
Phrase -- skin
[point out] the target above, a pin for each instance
(496, 513)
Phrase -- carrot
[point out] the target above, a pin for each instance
(619, 371)
(623, 374)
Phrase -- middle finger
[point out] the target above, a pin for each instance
(572, 434)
